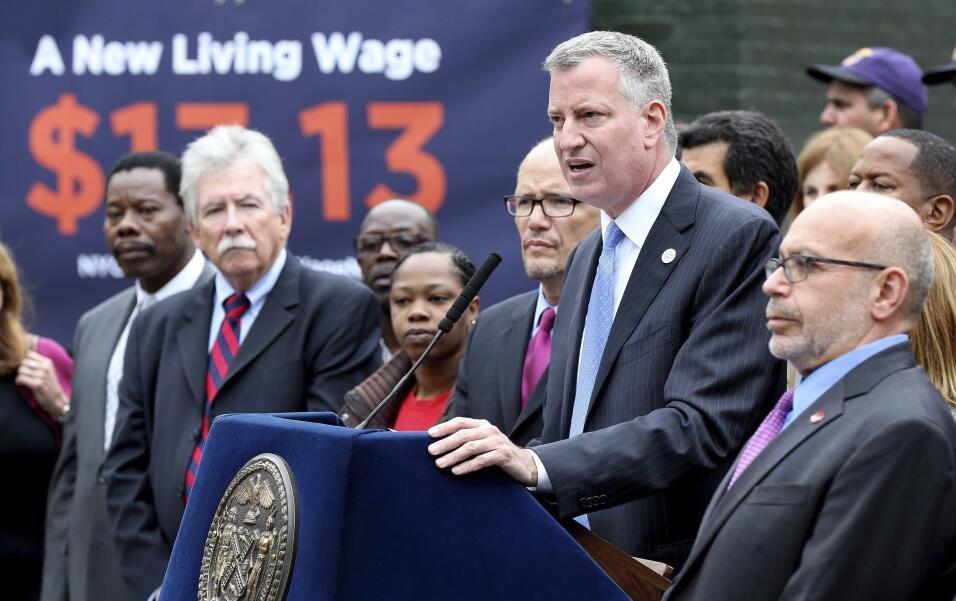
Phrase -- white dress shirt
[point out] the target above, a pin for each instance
(184, 280)
(256, 295)
(635, 223)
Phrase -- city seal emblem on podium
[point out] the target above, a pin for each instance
(251, 542)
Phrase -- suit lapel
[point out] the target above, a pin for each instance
(193, 339)
(535, 402)
(109, 332)
(650, 271)
(831, 404)
(274, 318)
(511, 364)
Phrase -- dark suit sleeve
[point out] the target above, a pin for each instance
(716, 390)
(345, 346)
(877, 533)
(143, 550)
(59, 501)
(460, 407)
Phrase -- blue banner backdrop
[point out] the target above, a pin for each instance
(365, 100)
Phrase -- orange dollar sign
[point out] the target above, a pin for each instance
(79, 179)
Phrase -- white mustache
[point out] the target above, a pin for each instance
(235, 242)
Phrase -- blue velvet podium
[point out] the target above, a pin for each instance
(377, 520)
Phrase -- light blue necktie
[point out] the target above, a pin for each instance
(597, 326)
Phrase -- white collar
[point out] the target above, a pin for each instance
(184, 280)
(636, 220)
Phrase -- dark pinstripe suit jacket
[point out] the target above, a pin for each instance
(685, 377)
(489, 378)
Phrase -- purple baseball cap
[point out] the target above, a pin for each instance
(895, 72)
(942, 73)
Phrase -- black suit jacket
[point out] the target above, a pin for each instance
(300, 354)
(684, 379)
(489, 376)
(858, 505)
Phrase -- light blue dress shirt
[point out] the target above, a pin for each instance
(823, 378)
(256, 295)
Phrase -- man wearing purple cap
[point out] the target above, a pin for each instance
(874, 89)
(942, 73)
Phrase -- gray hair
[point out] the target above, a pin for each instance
(216, 151)
(875, 96)
(908, 247)
(643, 74)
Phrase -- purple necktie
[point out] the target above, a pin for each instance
(768, 430)
(538, 356)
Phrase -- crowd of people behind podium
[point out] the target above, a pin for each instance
(740, 361)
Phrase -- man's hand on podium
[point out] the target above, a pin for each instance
(467, 445)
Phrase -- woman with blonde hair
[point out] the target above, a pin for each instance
(825, 162)
(934, 338)
(34, 395)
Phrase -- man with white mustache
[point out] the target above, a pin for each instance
(265, 335)
(503, 376)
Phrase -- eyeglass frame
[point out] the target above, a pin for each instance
(772, 264)
(540, 202)
(390, 238)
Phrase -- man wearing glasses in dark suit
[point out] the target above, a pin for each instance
(389, 231)
(503, 376)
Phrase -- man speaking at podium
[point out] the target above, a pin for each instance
(642, 417)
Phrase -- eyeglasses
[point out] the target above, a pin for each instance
(551, 206)
(401, 242)
(797, 267)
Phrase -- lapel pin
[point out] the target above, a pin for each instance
(817, 417)
(668, 255)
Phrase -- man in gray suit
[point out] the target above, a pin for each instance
(503, 375)
(145, 229)
(265, 335)
(848, 488)
(658, 368)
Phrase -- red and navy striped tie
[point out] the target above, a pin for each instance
(223, 352)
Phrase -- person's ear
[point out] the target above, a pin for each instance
(655, 119)
(889, 293)
(938, 211)
(759, 194)
(471, 313)
(888, 116)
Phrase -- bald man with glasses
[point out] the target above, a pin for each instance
(389, 231)
(503, 376)
(847, 490)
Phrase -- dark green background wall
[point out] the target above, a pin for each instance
(752, 54)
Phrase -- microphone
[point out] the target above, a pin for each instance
(468, 293)
(444, 326)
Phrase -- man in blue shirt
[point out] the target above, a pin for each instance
(848, 488)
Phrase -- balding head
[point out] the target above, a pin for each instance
(836, 307)
(388, 232)
(547, 240)
(542, 156)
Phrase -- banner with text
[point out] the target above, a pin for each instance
(365, 100)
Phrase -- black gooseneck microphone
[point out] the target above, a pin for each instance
(444, 326)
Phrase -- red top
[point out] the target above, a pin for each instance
(418, 414)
